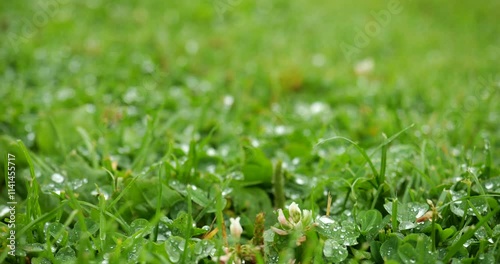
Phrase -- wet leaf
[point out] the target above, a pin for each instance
(447, 233)
(416, 248)
(140, 225)
(389, 249)
(408, 213)
(202, 249)
(334, 251)
(174, 246)
(58, 232)
(40, 260)
(344, 233)
(369, 221)
(66, 255)
(179, 226)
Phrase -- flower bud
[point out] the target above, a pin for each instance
(235, 228)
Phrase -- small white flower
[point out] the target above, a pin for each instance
(235, 228)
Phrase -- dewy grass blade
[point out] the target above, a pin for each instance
(62, 144)
(158, 204)
(488, 159)
(220, 221)
(28, 158)
(102, 219)
(394, 215)
(129, 185)
(378, 175)
(43, 218)
(479, 216)
(189, 167)
(122, 223)
(383, 162)
(114, 180)
(145, 143)
(33, 209)
(360, 150)
(279, 186)
(392, 138)
(189, 225)
(90, 146)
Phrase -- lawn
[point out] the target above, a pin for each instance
(233, 131)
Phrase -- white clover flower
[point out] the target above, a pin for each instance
(235, 228)
(298, 220)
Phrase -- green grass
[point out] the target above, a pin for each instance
(139, 129)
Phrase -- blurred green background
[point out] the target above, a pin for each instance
(249, 70)
(58, 56)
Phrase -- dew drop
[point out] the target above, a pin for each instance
(56, 177)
